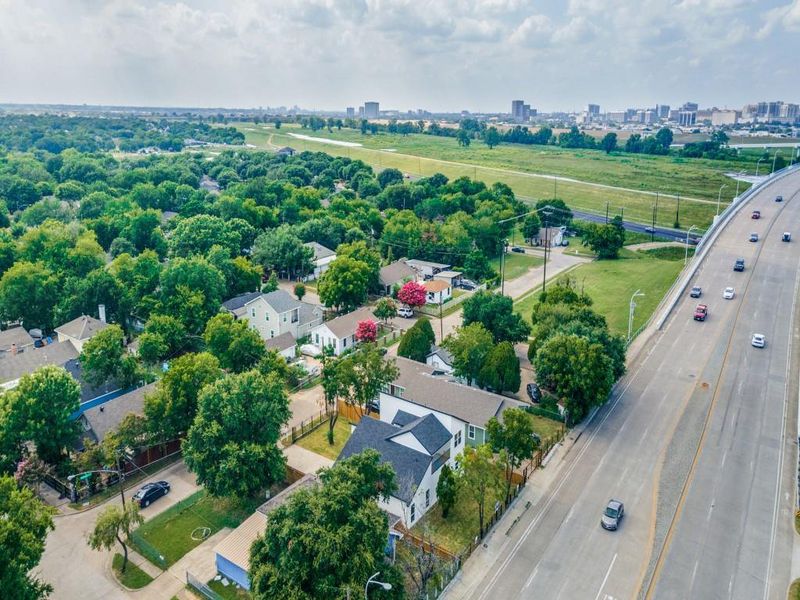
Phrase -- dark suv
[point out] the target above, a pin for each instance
(738, 265)
(150, 492)
(534, 393)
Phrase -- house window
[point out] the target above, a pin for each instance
(284, 317)
(457, 439)
(266, 316)
(344, 342)
(252, 312)
(272, 333)
(471, 432)
(427, 498)
(316, 338)
(413, 511)
(295, 316)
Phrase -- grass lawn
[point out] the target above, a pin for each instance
(170, 532)
(229, 592)
(528, 170)
(517, 264)
(457, 531)
(317, 440)
(668, 253)
(133, 577)
(546, 428)
(794, 590)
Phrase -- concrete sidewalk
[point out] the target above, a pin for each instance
(304, 460)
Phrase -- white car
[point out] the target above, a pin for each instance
(759, 340)
(729, 293)
(405, 312)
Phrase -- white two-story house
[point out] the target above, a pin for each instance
(323, 257)
(275, 313)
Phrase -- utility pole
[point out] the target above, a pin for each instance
(606, 212)
(653, 232)
(555, 187)
(502, 267)
(678, 214)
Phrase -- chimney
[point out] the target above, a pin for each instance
(101, 309)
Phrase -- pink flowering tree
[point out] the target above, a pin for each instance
(413, 294)
(367, 331)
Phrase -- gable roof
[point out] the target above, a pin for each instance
(435, 285)
(409, 465)
(281, 342)
(82, 328)
(106, 417)
(238, 302)
(345, 325)
(88, 391)
(428, 430)
(281, 301)
(442, 353)
(448, 274)
(320, 251)
(16, 336)
(445, 395)
(12, 367)
(403, 418)
(396, 272)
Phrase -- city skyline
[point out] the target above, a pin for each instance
(446, 57)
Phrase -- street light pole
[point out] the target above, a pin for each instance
(686, 254)
(738, 181)
(757, 164)
(719, 195)
(502, 267)
(774, 158)
(544, 271)
(678, 213)
(373, 581)
(631, 309)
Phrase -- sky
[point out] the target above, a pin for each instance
(440, 55)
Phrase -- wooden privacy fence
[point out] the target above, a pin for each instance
(353, 413)
(426, 545)
(520, 477)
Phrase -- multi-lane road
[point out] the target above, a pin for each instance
(699, 441)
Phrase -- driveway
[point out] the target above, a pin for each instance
(75, 570)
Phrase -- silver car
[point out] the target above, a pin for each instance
(612, 515)
(759, 340)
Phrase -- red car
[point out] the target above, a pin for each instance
(756, 214)
(701, 312)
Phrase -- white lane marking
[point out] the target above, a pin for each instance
(710, 509)
(602, 585)
(531, 578)
(779, 471)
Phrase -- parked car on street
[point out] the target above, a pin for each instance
(534, 393)
(518, 249)
(612, 515)
(696, 292)
(701, 312)
(405, 312)
(728, 293)
(150, 492)
(756, 214)
(759, 340)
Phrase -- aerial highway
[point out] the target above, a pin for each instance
(698, 440)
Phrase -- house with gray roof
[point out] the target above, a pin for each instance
(396, 273)
(323, 257)
(427, 269)
(80, 330)
(284, 344)
(26, 360)
(416, 447)
(275, 313)
(422, 389)
(99, 421)
(339, 334)
(440, 359)
(14, 339)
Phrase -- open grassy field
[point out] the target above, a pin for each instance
(517, 264)
(589, 178)
(610, 284)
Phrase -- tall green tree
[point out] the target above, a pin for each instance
(372, 258)
(479, 478)
(24, 526)
(163, 337)
(385, 309)
(469, 345)
(283, 251)
(28, 293)
(191, 289)
(365, 372)
(237, 347)
(496, 313)
(513, 439)
(326, 541)
(478, 267)
(344, 284)
(45, 400)
(104, 357)
(115, 524)
(501, 371)
(447, 490)
(172, 406)
(605, 240)
(531, 226)
(232, 446)
(417, 341)
(492, 137)
(609, 142)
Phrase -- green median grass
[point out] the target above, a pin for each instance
(794, 590)
(133, 578)
(317, 440)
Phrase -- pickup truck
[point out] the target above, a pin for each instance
(701, 312)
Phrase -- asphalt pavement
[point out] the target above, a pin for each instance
(698, 440)
(660, 232)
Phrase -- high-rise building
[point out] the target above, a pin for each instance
(687, 118)
(724, 117)
(790, 112)
(371, 110)
(360, 112)
(593, 110)
(616, 116)
(518, 110)
(662, 110)
(690, 106)
(351, 112)
(650, 117)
